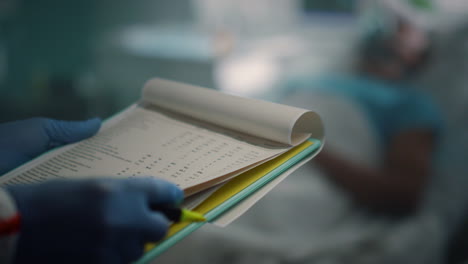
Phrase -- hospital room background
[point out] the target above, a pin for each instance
(79, 59)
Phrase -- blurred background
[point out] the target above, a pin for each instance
(78, 59)
(69, 59)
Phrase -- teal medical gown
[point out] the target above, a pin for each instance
(391, 107)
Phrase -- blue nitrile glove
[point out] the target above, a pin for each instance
(92, 220)
(20, 141)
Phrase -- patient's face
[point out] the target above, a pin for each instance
(405, 53)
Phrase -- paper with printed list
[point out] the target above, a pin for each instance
(192, 136)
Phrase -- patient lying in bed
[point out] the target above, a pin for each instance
(381, 137)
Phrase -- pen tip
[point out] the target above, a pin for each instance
(191, 216)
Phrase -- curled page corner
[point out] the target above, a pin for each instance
(308, 124)
(276, 122)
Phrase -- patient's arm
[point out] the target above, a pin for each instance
(395, 188)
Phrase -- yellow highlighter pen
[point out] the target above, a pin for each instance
(179, 214)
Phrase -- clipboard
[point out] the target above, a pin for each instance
(232, 193)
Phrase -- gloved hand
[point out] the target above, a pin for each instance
(20, 141)
(90, 221)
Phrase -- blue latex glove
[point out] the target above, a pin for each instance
(20, 141)
(90, 221)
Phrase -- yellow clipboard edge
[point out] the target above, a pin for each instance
(215, 205)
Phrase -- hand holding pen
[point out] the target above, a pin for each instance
(94, 220)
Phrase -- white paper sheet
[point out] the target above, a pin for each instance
(174, 134)
(246, 204)
(281, 123)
